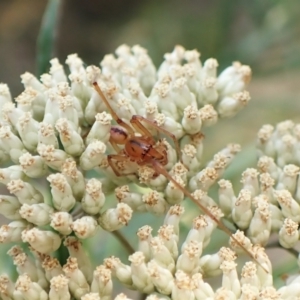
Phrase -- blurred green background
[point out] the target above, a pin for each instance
(262, 34)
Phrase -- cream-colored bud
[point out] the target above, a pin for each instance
(76, 249)
(140, 273)
(102, 283)
(115, 218)
(93, 199)
(92, 155)
(59, 288)
(161, 277)
(42, 240)
(288, 234)
(242, 213)
(33, 166)
(12, 232)
(25, 192)
(70, 139)
(188, 261)
(38, 214)
(134, 200)
(57, 70)
(28, 290)
(78, 284)
(120, 270)
(61, 222)
(183, 287)
(100, 129)
(11, 173)
(161, 254)
(230, 278)
(62, 196)
(229, 106)
(85, 227)
(9, 207)
(11, 144)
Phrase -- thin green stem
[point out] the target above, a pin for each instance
(123, 241)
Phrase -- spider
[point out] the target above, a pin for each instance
(140, 147)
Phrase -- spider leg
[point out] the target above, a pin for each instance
(161, 170)
(136, 121)
(118, 157)
(112, 112)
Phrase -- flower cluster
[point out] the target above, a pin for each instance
(54, 141)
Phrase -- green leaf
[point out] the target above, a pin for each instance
(47, 35)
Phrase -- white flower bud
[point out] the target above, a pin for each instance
(208, 115)
(226, 196)
(191, 121)
(7, 286)
(61, 222)
(144, 235)
(288, 234)
(12, 232)
(173, 194)
(170, 239)
(285, 150)
(242, 213)
(29, 80)
(85, 227)
(288, 178)
(229, 106)
(140, 274)
(5, 96)
(230, 278)
(266, 164)
(74, 177)
(78, 284)
(57, 70)
(42, 240)
(59, 289)
(92, 155)
(189, 159)
(161, 277)
(202, 289)
(183, 287)
(70, 139)
(260, 226)
(54, 158)
(38, 214)
(290, 208)
(62, 197)
(204, 179)
(188, 261)
(207, 92)
(33, 166)
(9, 207)
(249, 275)
(76, 249)
(173, 217)
(100, 129)
(250, 181)
(25, 192)
(11, 144)
(234, 78)
(119, 270)
(134, 200)
(46, 135)
(115, 218)
(11, 173)
(93, 199)
(28, 130)
(102, 283)
(161, 254)
(28, 290)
